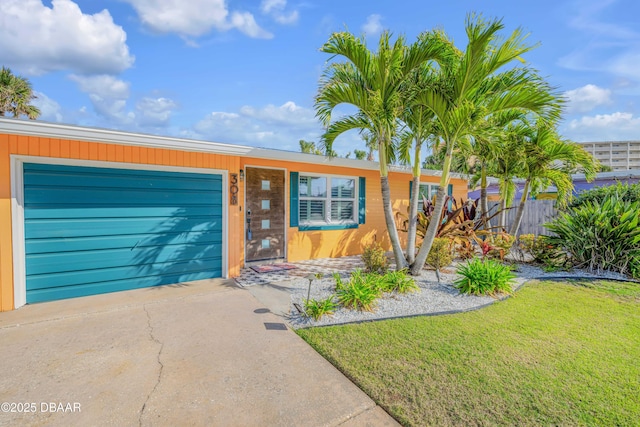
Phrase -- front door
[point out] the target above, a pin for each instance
(264, 225)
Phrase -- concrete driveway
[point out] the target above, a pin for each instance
(202, 353)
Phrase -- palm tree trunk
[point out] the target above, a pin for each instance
(413, 220)
(391, 224)
(430, 235)
(432, 229)
(502, 222)
(413, 206)
(516, 222)
(484, 204)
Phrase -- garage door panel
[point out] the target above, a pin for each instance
(115, 197)
(38, 246)
(82, 240)
(89, 177)
(49, 294)
(53, 212)
(97, 259)
(161, 273)
(36, 229)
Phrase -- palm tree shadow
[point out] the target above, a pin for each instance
(185, 247)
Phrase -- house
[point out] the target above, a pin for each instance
(580, 183)
(86, 211)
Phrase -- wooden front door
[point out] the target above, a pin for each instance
(264, 215)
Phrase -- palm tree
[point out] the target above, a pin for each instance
(473, 90)
(551, 159)
(372, 82)
(15, 95)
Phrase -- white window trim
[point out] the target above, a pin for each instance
(327, 200)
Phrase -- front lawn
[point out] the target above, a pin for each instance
(554, 354)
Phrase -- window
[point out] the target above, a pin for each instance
(327, 200)
(428, 191)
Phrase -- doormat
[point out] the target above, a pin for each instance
(273, 267)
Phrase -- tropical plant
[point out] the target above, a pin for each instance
(318, 308)
(501, 243)
(16, 95)
(309, 147)
(550, 159)
(397, 281)
(375, 258)
(623, 192)
(600, 235)
(484, 277)
(440, 255)
(472, 89)
(360, 293)
(373, 83)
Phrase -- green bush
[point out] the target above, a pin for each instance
(484, 277)
(601, 235)
(623, 192)
(360, 292)
(502, 243)
(318, 308)
(440, 254)
(398, 281)
(375, 258)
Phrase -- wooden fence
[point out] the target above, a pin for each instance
(536, 213)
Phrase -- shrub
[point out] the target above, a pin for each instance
(398, 281)
(484, 277)
(318, 308)
(525, 244)
(360, 292)
(440, 254)
(375, 258)
(623, 192)
(465, 250)
(502, 243)
(600, 236)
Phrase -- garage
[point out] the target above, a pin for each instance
(91, 230)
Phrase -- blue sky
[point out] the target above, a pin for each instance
(246, 71)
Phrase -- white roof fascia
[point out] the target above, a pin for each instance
(296, 157)
(63, 131)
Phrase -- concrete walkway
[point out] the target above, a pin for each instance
(202, 353)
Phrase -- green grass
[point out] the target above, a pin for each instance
(554, 354)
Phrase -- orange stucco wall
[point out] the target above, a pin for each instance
(79, 150)
(303, 245)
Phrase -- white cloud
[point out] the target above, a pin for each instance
(49, 109)
(194, 17)
(271, 126)
(246, 23)
(108, 96)
(586, 98)
(373, 25)
(275, 8)
(155, 112)
(604, 127)
(38, 39)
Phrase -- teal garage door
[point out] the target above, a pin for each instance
(95, 230)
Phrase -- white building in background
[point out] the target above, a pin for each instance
(620, 155)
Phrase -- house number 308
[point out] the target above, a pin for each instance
(233, 189)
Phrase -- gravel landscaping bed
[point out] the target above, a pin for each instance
(432, 298)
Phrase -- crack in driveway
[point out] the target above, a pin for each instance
(153, 338)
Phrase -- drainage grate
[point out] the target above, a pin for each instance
(275, 326)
